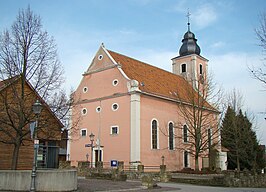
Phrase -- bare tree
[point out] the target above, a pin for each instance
(198, 118)
(28, 56)
(260, 72)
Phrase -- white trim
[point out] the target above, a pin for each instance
(180, 71)
(113, 106)
(115, 84)
(100, 57)
(93, 154)
(112, 59)
(69, 129)
(210, 135)
(135, 127)
(188, 159)
(98, 111)
(123, 73)
(183, 133)
(111, 130)
(201, 69)
(82, 111)
(84, 129)
(173, 136)
(108, 54)
(158, 146)
(85, 91)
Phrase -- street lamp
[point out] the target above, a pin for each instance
(36, 108)
(91, 139)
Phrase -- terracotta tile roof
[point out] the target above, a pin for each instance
(154, 79)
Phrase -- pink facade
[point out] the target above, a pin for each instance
(129, 106)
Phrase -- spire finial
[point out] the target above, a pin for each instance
(188, 17)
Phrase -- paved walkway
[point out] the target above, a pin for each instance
(87, 185)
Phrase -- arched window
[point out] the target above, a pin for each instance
(171, 136)
(154, 134)
(186, 159)
(200, 69)
(183, 68)
(209, 138)
(185, 134)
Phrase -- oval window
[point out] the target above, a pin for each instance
(98, 109)
(115, 82)
(85, 89)
(115, 106)
(100, 57)
(84, 111)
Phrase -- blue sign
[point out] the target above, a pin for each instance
(114, 163)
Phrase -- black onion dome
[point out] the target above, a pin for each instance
(189, 45)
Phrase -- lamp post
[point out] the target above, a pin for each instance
(91, 139)
(36, 108)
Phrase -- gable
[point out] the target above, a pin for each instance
(10, 95)
(101, 61)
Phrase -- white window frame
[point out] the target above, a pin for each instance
(181, 68)
(183, 138)
(173, 137)
(188, 159)
(111, 130)
(210, 135)
(85, 89)
(113, 106)
(84, 129)
(158, 141)
(115, 84)
(83, 110)
(201, 67)
(98, 111)
(100, 57)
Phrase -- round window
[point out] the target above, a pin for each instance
(85, 89)
(100, 57)
(84, 111)
(115, 82)
(115, 106)
(98, 109)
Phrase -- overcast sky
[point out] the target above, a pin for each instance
(151, 31)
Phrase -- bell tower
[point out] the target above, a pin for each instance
(190, 64)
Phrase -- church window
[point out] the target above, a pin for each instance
(154, 134)
(84, 111)
(200, 69)
(171, 136)
(183, 68)
(115, 107)
(83, 132)
(115, 82)
(209, 138)
(114, 130)
(85, 89)
(100, 57)
(186, 159)
(185, 133)
(98, 109)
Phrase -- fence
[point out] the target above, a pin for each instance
(84, 166)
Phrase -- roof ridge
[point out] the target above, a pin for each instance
(144, 63)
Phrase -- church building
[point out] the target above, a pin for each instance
(133, 110)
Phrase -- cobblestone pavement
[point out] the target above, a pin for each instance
(87, 185)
